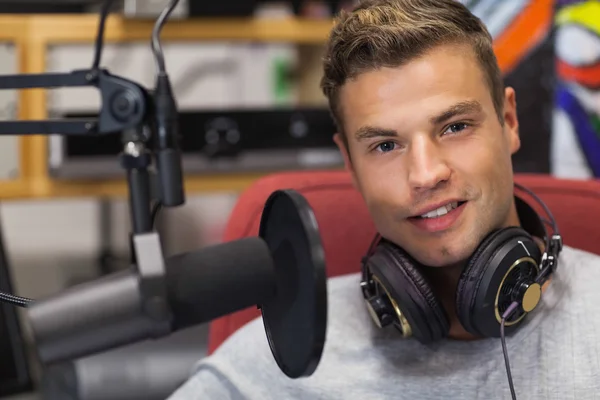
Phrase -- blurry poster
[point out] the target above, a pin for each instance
(523, 43)
(575, 148)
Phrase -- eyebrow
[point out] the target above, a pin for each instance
(370, 132)
(464, 107)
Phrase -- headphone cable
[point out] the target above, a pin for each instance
(18, 301)
(159, 57)
(156, 208)
(98, 47)
(505, 316)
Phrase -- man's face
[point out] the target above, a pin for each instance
(429, 155)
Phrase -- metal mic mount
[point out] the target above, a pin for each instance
(126, 107)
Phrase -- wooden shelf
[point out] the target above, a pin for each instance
(14, 190)
(13, 27)
(83, 28)
(54, 189)
(118, 188)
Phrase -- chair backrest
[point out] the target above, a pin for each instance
(347, 230)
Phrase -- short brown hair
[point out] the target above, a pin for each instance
(390, 33)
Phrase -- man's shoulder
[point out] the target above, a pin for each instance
(573, 262)
(573, 292)
(574, 254)
(575, 278)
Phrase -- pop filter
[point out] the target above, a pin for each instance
(295, 319)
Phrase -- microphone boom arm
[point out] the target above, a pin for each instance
(126, 107)
(125, 104)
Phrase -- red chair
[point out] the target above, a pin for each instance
(346, 228)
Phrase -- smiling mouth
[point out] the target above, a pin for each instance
(441, 211)
(440, 219)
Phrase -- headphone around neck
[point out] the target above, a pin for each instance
(500, 284)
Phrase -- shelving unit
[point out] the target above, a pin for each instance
(32, 35)
(82, 28)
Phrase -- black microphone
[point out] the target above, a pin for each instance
(282, 271)
(200, 286)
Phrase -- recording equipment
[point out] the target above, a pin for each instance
(44, 6)
(231, 8)
(282, 270)
(215, 142)
(500, 284)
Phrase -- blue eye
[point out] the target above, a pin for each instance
(455, 128)
(385, 147)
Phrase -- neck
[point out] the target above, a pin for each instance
(444, 282)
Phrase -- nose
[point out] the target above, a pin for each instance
(427, 167)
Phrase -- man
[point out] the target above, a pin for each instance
(423, 116)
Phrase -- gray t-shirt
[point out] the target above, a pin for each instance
(554, 355)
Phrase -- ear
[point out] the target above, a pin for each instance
(339, 141)
(511, 121)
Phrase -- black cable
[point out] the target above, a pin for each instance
(100, 35)
(15, 300)
(159, 56)
(166, 124)
(505, 316)
(547, 222)
(155, 210)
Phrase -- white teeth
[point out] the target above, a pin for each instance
(441, 211)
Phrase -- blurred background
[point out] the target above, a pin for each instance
(246, 77)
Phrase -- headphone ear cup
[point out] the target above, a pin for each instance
(410, 291)
(504, 256)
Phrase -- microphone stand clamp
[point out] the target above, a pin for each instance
(151, 273)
